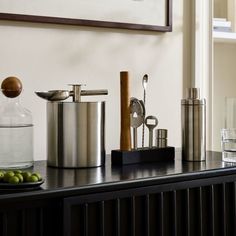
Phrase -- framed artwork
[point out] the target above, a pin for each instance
(150, 15)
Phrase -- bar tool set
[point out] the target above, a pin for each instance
(133, 116)
(75, 129)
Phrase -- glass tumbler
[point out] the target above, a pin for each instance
(228, 133)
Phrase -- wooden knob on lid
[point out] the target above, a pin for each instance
(11, 87)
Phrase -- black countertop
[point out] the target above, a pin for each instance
(68, 182)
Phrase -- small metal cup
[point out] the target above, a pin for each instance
(161, 133)
(161, 138)
(161, 142)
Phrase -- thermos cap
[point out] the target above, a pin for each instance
(193, 97)
(193, 93)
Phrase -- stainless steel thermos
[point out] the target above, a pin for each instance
(193, 122)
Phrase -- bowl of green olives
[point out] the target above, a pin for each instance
(20, 179)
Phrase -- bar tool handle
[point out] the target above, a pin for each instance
(77, 92)
(94, 92)
(125, 136)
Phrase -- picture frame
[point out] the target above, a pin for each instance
(131, 24)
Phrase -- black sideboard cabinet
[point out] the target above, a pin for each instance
(167, 198)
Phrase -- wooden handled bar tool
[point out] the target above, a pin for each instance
(125, 135)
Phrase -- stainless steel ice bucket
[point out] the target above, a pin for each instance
(75, 134)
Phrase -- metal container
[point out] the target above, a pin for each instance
(75, 133)
(161, 138)
(193, 119)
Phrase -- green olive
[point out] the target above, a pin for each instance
(38, 176)
(1, 175)
(8, 175)
(32, 178)
(13, 180)
(26, 175)
(20, 177)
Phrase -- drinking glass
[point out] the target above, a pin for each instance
(228, 133)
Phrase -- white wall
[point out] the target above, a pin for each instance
(220, 8)
(50, 57)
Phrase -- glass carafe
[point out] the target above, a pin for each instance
(16, 133)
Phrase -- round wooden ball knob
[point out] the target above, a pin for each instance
(11, 87)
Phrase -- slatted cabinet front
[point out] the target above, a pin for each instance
(171, 209)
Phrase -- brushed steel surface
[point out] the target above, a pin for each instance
(161, 133)
(54, 95)
(161, 142)
(137, 110)
(151, 122)
(76, 134)
(193, 119)
(144, 83)
(193, 93)
(76, 93)
(94, 92)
